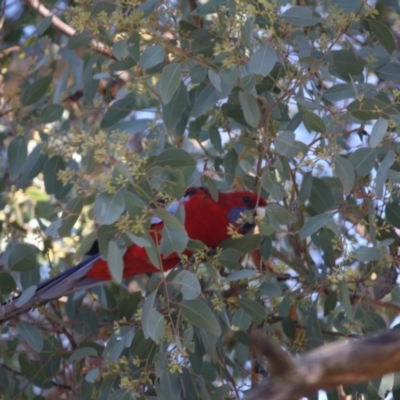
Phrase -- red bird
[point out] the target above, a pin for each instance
(206, 220)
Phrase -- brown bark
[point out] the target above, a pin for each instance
(344, 362)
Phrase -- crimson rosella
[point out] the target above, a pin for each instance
(206, 220)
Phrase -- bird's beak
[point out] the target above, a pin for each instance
(260, 212)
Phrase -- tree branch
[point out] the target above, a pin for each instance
(68, 30)
(341, 363)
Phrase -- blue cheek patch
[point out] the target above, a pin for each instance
(234, 214)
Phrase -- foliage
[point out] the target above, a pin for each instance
(298, 103)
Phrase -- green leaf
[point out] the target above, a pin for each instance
(51, 113)
(270, 184)
(124, 169)
(366, 254)
(230, 164)
(108, 207)
(153, 323)
(254, 309)
(383, 34)
(371, 108)
(170, 81)
(50, 356)
(22, 258)
(188, 285)
(251, 110)
(129, 305)
(86, 244)
(392, 212)
(313, 328)
(229, 257)
(313, 224)
(263, 60)
(303, 46)
(301, 16)
(313, 122)
(152, 56)
(215, 138)
(229, 79)
(148, 7)
(247, 167)
(83, 352)
(90, 85)
(173, 240)
(134, 46)
(205, 100)
(170, 386)
(270, 289)
(153, 253)
(244, 244)
(284, 307)
(321, 197)
(241, 319)
(390, 72)
(306, 186)
(330, 303)
(25, 296)
(138, 240)
(344, 298)
(281, 214)
(87, 384)
(44, 24)
(79, 40)
(347, 64)
(7, 283)
(120, 49)
(202, 43)
(175, 108)
(37, 194)
(70, 215)
(378, 132)
(157, 323)
(114, 348)
(241, 274)
(32, 334)
(289, 327)
(345, 172)
(34, 163)
(117, 111)
(176, 158)
(198, 73)
(105, 233)
(210, 7)
(215, 79)
(363, 160)
(147, 306)
(342, 91)
(36, 90)
(52, 184)
(326, 238)
(287, 146)
(382, 173)
(198, 313)
(115, 261)
(247, 32)
(17, 154)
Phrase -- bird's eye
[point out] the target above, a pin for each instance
(246, 199)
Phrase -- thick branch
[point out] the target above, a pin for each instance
(340, 363)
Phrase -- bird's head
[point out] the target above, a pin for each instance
(243, 208)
